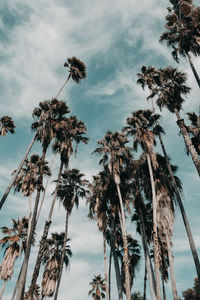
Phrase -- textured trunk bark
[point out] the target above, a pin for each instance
(109, 273)
(29, 221)
(3, 199)
(193, 70)
(155, 235)
(22, 279)
(62, 256)
(3, 288)
(124, 236)
(183, 213)
(105, 267)
(145, 281)
(163, 290)
(150, 273)
(188, 141)
(43, 240)
(116, 264)
(171, 267)
(16, 285)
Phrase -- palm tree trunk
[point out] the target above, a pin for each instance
(188, 141)
(29, 218)
(155, 234)
(163, 290)
(171, 267)
(145, 281)
(3, 288)
(109, 273)
(62, 87)
(150, 273)
(124, 236)
(3, 199)
(43, 239)
(194, 70)
(22, 279)
(183, 213)
(105, 266)
(16, 285)
(62, 256)
(116, 263)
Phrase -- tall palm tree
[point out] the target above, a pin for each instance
(6, 125)
(116, 156)
(182, 31)
(42, 170)
(194, 130)
(152, 78)
(51, 260)
(69, 133)
(71, 188)
(98, 288)
(77, 71)
(14, 243)
(169, 92)
(142, 125)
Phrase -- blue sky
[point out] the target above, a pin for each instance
(114, 39)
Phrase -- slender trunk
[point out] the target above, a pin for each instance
(188, 141)
(163, 290)
(3, 199)
(171, 267)
(62, 256)
(62, 87)
(116, 263)
(145, 281)
(22, 279)
(3, 288)
(109, 273)
(43, 239)
(184, 216)
(29, 219)
(124, 236)
(105, 266)
(16, 285)
(45, 189)
(150, 273)
(194, 70)
(155, 234)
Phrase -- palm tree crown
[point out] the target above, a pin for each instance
(98, 288)
(77, 69)
(6, 125)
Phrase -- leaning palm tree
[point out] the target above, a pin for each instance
(77, 73)
(152, 78)
(14, 243)
(42, 170)
(116, 156)
(142, 125)
(169, 92)
(6, 125)
(51, 260)
(183, 31)
(71, 188)
(69, 133)
(98, 288)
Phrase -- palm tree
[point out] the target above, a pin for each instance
(153, 84)
(77, 73)
(182, 31)
(194, 130)
(116, 156)
(142, 125)
(169, 92)
(70, 189)
(98, 288)
(14, 243)
(51, 260)
(69, 131)
(42, 169)
(6, 125)
(36, 294)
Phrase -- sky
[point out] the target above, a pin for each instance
(114, 39)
